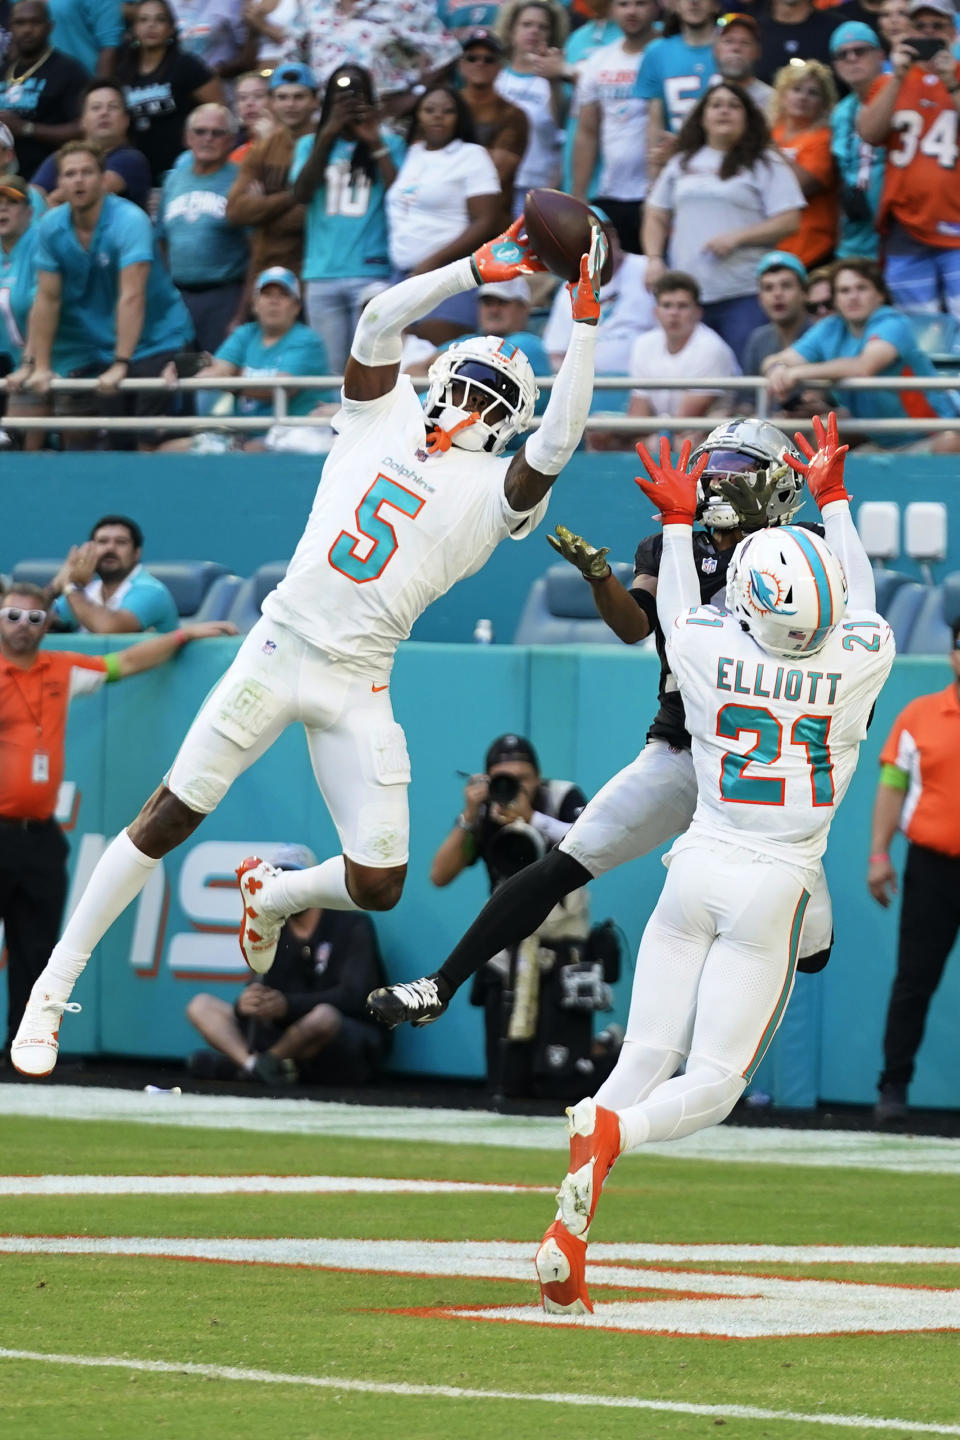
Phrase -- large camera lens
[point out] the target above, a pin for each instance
(503, 789)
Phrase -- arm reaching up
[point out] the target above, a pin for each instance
(674, 492)
(823, 470)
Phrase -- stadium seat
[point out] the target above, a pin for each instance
(245, 610)
(36, 572)
(930, 634)
(219, 599)
(188, 581)
(901, 614)
(888, 582)
(950, 586)
(559, 609)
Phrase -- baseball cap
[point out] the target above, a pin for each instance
(942, 7)
(15, 188)
(293, 857)
(486, 38)
(6, 137)
(853, 32)
(293, 74)
(278, 275)
(738, 17)
(516, 289)
(782, 259)
(510, 747)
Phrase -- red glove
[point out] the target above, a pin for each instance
(506, 256)
(671, 489)
(585, 292)
(824, 467)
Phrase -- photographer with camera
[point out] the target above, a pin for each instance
(914, 113)
(538, 997)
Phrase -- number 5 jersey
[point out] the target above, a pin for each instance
(774, 740)
(391, 529)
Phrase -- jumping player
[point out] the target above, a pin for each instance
(745, 485)
(411, 500)
(777, 691)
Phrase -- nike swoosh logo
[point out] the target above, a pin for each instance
(377, 688)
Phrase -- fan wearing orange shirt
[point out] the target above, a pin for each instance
(805, 97)
(914, 113)
(36, 687)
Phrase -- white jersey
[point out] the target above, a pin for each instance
(391, 530)
(774, 740)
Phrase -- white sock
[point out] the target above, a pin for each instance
(323, 886)
(119, 876)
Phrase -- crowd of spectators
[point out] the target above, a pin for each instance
(218, 187)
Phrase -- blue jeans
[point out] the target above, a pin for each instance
(734, 321)
(920, 276)
(333, 309)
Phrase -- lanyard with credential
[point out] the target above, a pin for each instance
(40, 764)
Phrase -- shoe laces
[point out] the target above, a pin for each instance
(418, 994)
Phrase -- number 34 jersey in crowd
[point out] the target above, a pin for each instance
(391, 529)
(774, 740)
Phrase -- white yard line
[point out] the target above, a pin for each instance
(250, 1185)
(909, 1154)
(341, 1385)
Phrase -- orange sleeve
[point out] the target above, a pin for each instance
(888, 755)
(68, 660)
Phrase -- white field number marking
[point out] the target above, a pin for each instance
(708, 1303)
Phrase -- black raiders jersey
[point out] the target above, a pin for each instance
(669, 722)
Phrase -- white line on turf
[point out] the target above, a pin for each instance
(249, 1184)
(910, 1154)
(455, 1392)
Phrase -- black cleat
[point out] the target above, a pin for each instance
(891, 1107)
(417, 1001)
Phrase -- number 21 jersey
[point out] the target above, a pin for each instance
(775, 740)
(391, 529)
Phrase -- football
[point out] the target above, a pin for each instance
(559, 231)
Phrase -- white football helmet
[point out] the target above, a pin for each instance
(499, 388)
(787, 589)
(752, 448)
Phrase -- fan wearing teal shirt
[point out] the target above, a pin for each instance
(18, 275)
(276, 343)
(675, 72)
(89, 30)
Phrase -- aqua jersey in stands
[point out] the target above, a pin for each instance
(18, 286)
(831, 339)
(299, 352)
(676, 74)
(141, 593)
(346, 225)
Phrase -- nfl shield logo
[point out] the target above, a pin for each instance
(422, 456)
(269, 647)
(708, 564)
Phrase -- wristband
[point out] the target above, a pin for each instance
(181, 638)
(120, 360)
(462, 823)
(70, 588)
(878, 857)
(379, 154)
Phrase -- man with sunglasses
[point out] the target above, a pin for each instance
(858, 59)
(917, 793)
(914, 113)
(501, 127)
(206, 254)
(36, 687)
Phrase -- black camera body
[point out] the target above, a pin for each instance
(856, 205)
(503, 788)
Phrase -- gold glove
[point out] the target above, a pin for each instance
(751, 501)
(591, 562)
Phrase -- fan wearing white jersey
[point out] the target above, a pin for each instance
(777, 691)
(411, 500)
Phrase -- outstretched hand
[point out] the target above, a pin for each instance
(585, 292)
(590, 561)
(670, 487)
(506, 256)
(823, 468)
(751, 501)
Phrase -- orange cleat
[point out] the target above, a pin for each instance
(561, 1265)
(259, 934)
(595, 1144)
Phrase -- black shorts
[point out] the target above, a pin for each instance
(352, 1058)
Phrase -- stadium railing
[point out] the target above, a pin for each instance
(599, 421)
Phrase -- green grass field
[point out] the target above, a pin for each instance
(369, 1313)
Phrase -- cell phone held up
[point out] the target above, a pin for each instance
(925, 46)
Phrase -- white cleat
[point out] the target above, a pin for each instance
(36, 1045)
(561, 1265)
(259, 934)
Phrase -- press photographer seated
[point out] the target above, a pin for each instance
(538, 998)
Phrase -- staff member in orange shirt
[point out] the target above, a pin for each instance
(36, 688)
(918, 790)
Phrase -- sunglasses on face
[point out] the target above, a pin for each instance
(853, 52)
(817, 307)
(203, 133)
(16, 616)
(483, 57)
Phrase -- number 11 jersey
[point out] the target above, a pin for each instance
(391, 529)
(775, 740)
